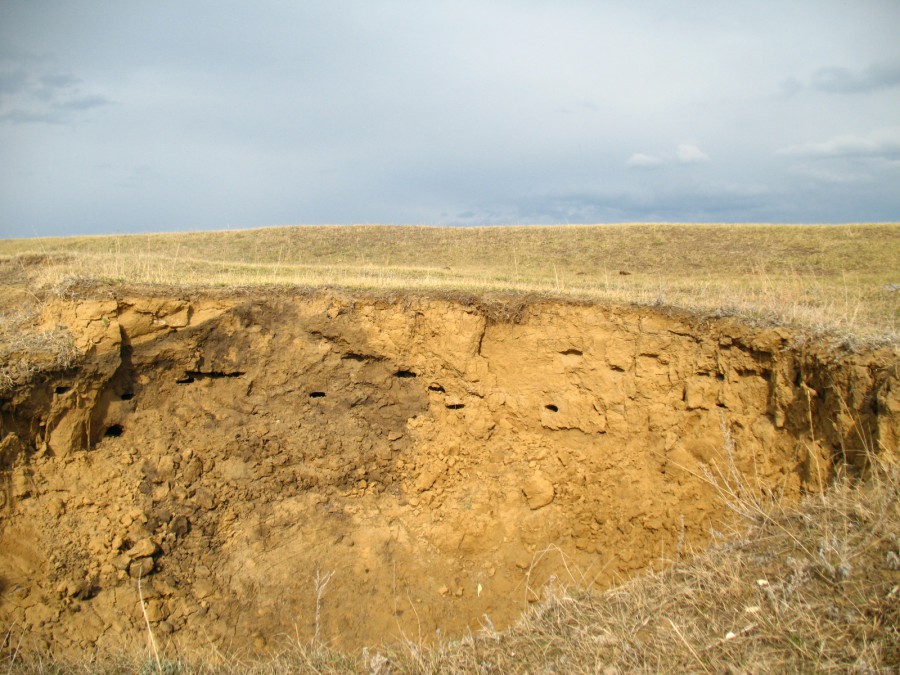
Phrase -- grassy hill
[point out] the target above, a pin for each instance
(835, 278)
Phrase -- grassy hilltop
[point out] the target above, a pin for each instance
(834, 277)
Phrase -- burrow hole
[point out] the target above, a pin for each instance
(405, 374)
(317, 394)
(191, 376)
(551, 407)
(62, 389)
(113, 431)
(436, 387)
(455, 406)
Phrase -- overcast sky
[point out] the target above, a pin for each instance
(163, 116)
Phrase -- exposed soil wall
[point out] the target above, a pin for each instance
(362, 469)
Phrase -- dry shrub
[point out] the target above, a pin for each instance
(26, 351)
(25, 348)
(808, 588)
(813, 587)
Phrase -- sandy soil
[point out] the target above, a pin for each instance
(360, 470)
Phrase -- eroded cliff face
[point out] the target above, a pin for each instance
(358, 469)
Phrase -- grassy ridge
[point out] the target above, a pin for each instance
(532, 250)
(821, 277)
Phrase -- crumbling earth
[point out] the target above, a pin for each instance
(255, 469)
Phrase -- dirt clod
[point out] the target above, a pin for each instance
(538, 491)
(140, 567)
(143, 549)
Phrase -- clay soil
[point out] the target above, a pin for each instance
(242, 471)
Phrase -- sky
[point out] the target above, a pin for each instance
(120, 117)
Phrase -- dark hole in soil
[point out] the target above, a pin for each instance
(114, 430)
(405, 373)
(571, 352)
(127, 396)
(353, 356)
(720, 376)
(180, 526)
(317, 394)
(455, 406)
(62, 389)
(551, 407)
(436, 387)
(87, 591)
(194, 375)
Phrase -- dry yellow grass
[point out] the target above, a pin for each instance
(806, 589)
(836, 278)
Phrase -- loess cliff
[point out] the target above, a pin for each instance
(255, 468)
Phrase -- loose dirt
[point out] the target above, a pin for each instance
(250, 470)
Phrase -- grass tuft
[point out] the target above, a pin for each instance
(26, 351)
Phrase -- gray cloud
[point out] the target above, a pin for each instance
(841, 80)
(447, 112)
(58, 81)
(12, 81)
(15, 115)
(32, 92)
(703, 203)
(641, 160)
(83, 102)
(846, 81)
(685, 153)
(883, 143)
